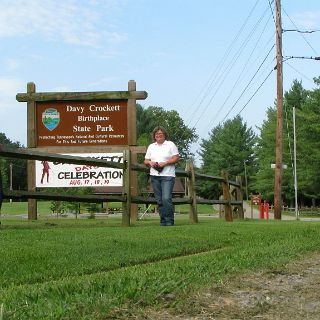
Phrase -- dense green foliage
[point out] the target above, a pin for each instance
(308, 145)
(179, 133)
(230, 147)
(19, 167)
(91, 269)
(306, 104)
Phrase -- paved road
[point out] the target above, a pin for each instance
(255, 214)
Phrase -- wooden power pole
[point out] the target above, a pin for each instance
(279, 129)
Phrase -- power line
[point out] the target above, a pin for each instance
(293, 57)
(270, 5)
(214, 75)
(302, 34)
(234, 61)
(242, 72)
(252, 78)
(299, 31)
(263, 82)
(296, 70)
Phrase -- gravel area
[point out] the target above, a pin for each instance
(292, 292)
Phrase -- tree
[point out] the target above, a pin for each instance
(308, 145)
(264, 179)
(19, 166)
(179, 133)
(230, 147)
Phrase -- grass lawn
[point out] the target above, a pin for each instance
(21, 208)
(96, 269)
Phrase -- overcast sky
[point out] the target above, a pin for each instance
(207, 59)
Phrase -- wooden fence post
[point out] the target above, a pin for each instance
(31, 142)
(239, 197)
(132, 140)
(226, 196)
(193, 214)
(126, 206)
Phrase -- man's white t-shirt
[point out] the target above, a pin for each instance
(161, 153)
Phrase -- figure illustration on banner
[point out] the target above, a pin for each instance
(45, 170)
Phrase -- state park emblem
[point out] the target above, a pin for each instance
(50, 118)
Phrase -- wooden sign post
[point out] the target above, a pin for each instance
(80, 122)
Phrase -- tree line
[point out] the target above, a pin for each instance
(234, 147)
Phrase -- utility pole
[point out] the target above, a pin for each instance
(279, 129)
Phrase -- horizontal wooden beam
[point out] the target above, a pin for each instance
(152, 200)
(215, 178)
(21, 194)
(91, 149)
(84, 96)
(13, 194)
(208, 201)
(31, 154)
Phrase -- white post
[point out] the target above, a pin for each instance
(295, 164)
(245, 176)
(10, 179)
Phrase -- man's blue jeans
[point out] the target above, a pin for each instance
(162, 188)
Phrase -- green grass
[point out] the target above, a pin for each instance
(88, 269)
(21, 208)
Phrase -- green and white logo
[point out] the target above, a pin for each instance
(50, 118)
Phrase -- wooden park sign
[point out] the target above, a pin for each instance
(79, 122)
(82, 123)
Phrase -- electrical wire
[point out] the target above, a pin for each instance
(299, 31)
(214, 75)
(302, 34)
(270, 5)
(260, 86)
(234, 61)
(241, 74)
(246, 87)
(296, 70)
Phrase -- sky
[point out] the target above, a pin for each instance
(209, 60)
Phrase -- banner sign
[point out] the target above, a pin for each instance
(81, 123)
(58, 175)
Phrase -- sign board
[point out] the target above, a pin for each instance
(273, 165)
(81, 123)
(256, 199)
(59, 175)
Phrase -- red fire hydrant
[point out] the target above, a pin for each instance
(264, 210)
(266, 207)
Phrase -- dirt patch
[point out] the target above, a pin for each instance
(292, 292)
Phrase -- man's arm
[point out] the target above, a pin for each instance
(173, 160)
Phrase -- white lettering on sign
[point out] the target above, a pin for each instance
(95, 108)
(81, 129)
(75, 109)
(92, 119)
(101, 128)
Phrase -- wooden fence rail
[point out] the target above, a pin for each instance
(126, 198)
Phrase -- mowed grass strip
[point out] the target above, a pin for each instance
(31, 254)
(88, 271)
